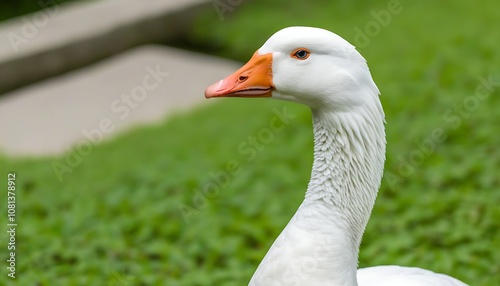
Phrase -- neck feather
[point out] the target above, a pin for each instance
(349, 155)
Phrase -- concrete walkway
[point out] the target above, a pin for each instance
(130, 81)
(140, 86)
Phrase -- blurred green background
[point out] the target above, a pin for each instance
(134, 213)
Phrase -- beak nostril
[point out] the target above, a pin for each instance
(242, 78)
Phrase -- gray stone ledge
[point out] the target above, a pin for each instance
(73, 35)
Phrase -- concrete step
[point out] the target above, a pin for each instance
(94, 103)
(69, 36)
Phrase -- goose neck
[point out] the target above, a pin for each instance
(349, 154)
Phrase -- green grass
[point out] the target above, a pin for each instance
(116, 218)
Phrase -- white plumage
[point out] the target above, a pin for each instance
(320, 245)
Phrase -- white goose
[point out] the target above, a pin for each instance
(320, 245)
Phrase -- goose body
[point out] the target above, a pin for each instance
(320, 244)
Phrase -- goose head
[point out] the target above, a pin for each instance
(311, 66)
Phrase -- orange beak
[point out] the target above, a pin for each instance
(254, 79)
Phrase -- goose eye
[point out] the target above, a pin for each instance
(301, 54)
